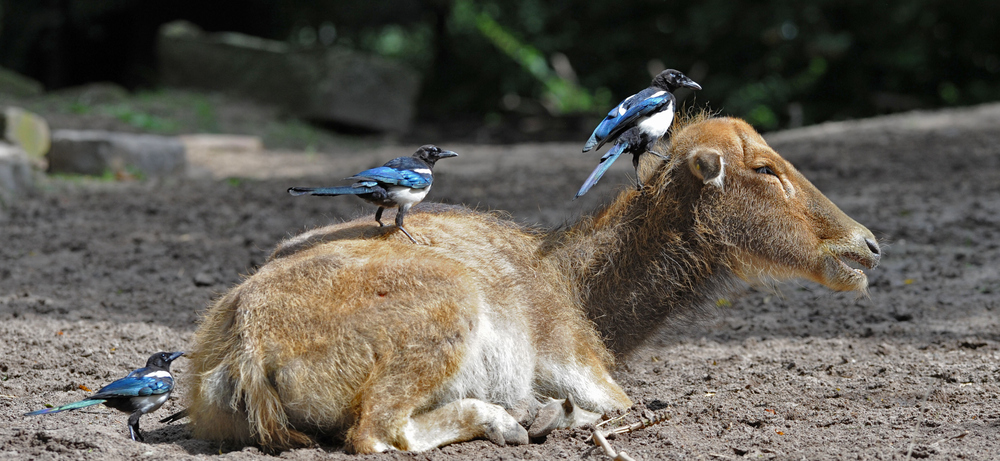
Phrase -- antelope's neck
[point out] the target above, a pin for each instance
(640, 262)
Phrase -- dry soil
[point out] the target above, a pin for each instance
(95, 276)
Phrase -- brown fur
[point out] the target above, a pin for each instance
(354, 331)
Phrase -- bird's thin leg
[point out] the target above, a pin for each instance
(133, 426)
(378, 216)
(635, 164)
(400, 213)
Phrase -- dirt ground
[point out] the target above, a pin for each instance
(96, 276)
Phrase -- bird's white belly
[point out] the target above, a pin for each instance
(407, 196)
(150, 403)
(657, 125)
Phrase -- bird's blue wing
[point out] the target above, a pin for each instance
(602, 167)
(134, 386)
(393, 176)
(625, 115)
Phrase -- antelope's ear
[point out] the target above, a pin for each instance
(708, 165)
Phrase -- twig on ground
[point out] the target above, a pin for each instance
(602, 442)
(600, 437)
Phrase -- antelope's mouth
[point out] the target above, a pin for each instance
(845, 273)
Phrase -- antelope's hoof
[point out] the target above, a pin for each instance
(510, 435)
(549, 418)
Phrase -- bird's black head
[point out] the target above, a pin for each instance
(431, 153)
(161, 360)
(671, 80)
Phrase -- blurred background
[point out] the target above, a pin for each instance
(483, 70)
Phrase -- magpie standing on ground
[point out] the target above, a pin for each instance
(650, 112)
(400, 183)
(141, 391)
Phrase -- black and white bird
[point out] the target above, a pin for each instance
(401, 183)
(650, 112)
(141, 391)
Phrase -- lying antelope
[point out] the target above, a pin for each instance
(352, 332)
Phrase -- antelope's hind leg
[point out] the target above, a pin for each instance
(457, 421)
(463, 420)
(400, 405)
(401, 415)
(403, 403)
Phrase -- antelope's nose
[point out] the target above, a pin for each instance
(873, 246)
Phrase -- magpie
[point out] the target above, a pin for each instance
(141, 391)
(401, 183)
(632, 142)
(650, 111)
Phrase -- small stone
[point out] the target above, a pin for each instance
(204, 279)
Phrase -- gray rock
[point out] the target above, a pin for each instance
(15, 84)
(16, 176)
(334, 84)
(95, 152)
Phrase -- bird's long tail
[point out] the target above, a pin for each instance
(71, 406)
(343, 190)
(602, 167)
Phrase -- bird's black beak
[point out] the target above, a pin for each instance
(173, 356)
(446, 154)
(688, 83)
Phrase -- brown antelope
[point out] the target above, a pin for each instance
(488, 327)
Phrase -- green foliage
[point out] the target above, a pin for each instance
(561, 95)
(141, 120)
(776, 63)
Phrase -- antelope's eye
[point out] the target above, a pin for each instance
(766, 170)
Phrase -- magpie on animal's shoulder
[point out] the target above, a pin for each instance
(649, 112)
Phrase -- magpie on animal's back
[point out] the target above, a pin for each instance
(142, 391)
(400, 183)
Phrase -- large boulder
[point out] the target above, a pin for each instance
(15, 84)
(95, 152)
(16, 174)
(333, 85)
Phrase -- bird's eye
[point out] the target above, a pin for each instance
(766, 170)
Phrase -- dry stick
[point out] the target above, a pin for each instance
(601, 440)
(603, 443)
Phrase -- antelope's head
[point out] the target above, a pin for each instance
(777, 224)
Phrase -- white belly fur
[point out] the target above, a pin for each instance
(499, 364)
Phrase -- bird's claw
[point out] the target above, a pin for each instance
(407, 234)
